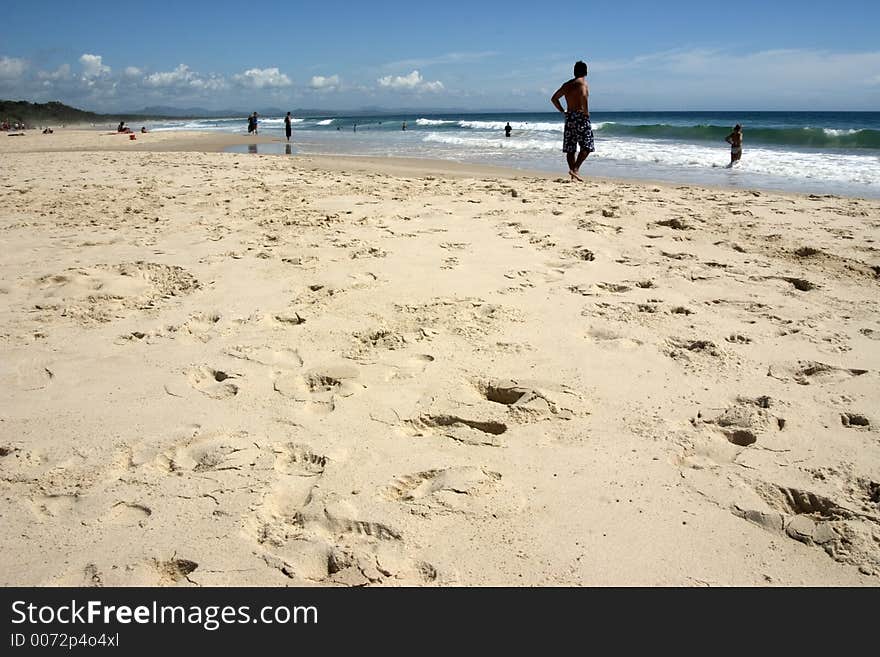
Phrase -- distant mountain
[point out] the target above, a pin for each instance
(163, 111)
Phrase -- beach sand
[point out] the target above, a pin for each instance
(228, 369)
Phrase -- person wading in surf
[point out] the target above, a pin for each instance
(578, 130)
(735, 139)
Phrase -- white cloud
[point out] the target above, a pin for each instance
(12, 67)
(262, 78)
(321, 82)
(93, 66)
(132, 71)
(183, 76)
(411, 82)
(61, 73)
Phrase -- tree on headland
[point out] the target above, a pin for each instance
(53, 112)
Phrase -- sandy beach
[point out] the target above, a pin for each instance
(230, 369)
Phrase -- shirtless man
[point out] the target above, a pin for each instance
(735, 139)
(577, 119)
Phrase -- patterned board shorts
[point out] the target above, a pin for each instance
(578, 130)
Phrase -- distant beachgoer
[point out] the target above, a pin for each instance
(578, 130)
(355, 128)
(143, 130)
(121, 127)
(47, 131)
(735, 139)
(507, 129)
(404, 126)
(256, 123)
(287, 127)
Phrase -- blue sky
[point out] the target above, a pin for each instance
(110, 56)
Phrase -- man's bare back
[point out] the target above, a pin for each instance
(576, 93)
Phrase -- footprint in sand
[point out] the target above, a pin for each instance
(408, 367)
(28, 376)
(284, 358)
(292, 458)
(213, 383)
(846, 535)
(686, 349)
(318, 390)
(807, 372)
(55, 506)
(602, 335)
(174, 570)
(454, 482)
(127, 514)
(212, 452)
(469, 432)
(524, 401)
(581, 253)
(855, 420)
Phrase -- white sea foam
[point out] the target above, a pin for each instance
(484, 143)
(324, 122)
(848, 169)
(832, 132)
(496, 126)
(434, 122)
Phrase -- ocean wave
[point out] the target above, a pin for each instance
(792, 165)
(434, 122)
(486, 143)
(324, 122)
(497, 126)
(803, 137)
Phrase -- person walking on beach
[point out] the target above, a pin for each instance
(287, 127)
(578, 130)
(507, 129)
(252, 123)
(735, 139)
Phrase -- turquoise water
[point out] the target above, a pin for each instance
(813, 152)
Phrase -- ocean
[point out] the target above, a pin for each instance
(808, 152)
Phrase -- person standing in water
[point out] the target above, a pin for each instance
(507, 129)
(578, 130)
(735, 139)
(287, 127)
